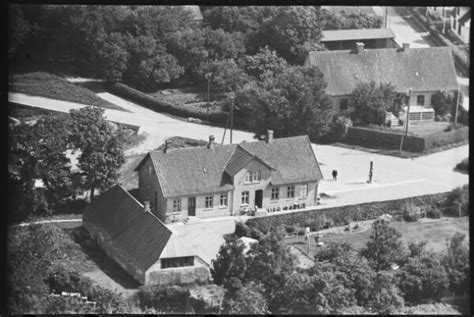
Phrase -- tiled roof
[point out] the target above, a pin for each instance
(292, 158)
(356, 34)
(200, 170)
(139, 234)
(238, 159)
(176, 248)
(423, 69)
(350, 9)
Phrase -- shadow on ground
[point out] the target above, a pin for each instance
(103, 262)
(95, 86)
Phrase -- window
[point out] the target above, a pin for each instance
(290, 192)
(223, 200)
(248, 177)
(275, 193)
(209, 202)
(149, 169)
(344, 104)
(245, 198)
(177, 204)
(257, 176)
(420, 100)
(177, 262)
(304, 190)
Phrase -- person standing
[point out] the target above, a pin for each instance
(334, 175)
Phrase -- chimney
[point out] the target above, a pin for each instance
(406, 46)
(210, 145)
(360, 47)
(165, 149)
(147, 206)
(269, 136)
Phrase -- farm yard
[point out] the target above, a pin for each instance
(436, 231)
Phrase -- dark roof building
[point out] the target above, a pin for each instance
(347, 39)
(422, 69)
(131, 234)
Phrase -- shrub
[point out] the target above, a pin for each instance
(457, 202)
(463, 165)
(290, 229)
(347, 228)
(256, 234)
(164, 298)
(356, 226)
(242, 230)
(434, 213)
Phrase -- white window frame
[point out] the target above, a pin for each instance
(275, 194)
(248, 178)
(149, 169)
(304, 190)
(177, 205)
(290, 190)
(245, 198)
(257, 176)
(223, 200)
(422, 104)
(209, 201)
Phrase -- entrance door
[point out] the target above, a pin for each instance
(192, 206)
(258, 198)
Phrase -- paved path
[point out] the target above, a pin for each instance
(157, 126)
(404, 32)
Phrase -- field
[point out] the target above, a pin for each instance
(423, 129)
(436, 231)
(55, 87)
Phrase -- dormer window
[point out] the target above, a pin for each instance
(253, 177)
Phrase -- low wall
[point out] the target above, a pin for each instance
(340, 216)
(182, 275)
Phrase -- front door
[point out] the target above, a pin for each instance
(192, 206)
(258, 198)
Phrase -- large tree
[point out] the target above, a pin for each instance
(293, 31)
(384, 247)
(340, 21)
(291, 103)
(100, 147)
(370, 102)
(37, 152)
(246, 300)
(264, 63)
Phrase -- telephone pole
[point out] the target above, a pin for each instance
(457, 106)
(231, 117)
(407, 120)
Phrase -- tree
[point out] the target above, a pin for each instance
(457, 265)
(31, 252)
(386, 297)
(19, 29)
(246, 300)
(370, 102)
(384, 246)
(423, 278)
(230, 267)
(111, 53)
(101, 153)
(225, 76)
(265, 63)
(332, 21)
(457, 202)
(291, 103)
(292, 33)
(38, 152)
(443, 103)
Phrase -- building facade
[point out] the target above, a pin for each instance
(347, 39)
(222, 180)
(139, 242)
(422, 71)
(461, 23)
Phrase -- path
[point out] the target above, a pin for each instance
(405, 32)
(157, 126)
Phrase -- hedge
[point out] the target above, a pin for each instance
(391, 139)
(341, 216)
(382, 139)
(163, 106)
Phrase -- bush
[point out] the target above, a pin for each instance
(463, 165)
(242, 230)
(163, 298)
(256, 234)
(338, 129)
(341, 216)
(434, 213)
(456, 135)
(290, 229)
(457, 202)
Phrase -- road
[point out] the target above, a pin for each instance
(157, 126)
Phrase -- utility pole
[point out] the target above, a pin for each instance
(208, 77)
(231, 117)
(457, 106)
(444, 20)
(407, 120)
(386, 16)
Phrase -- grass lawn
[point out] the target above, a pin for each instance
(436, 231)
(423, 129)
(55, 87)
